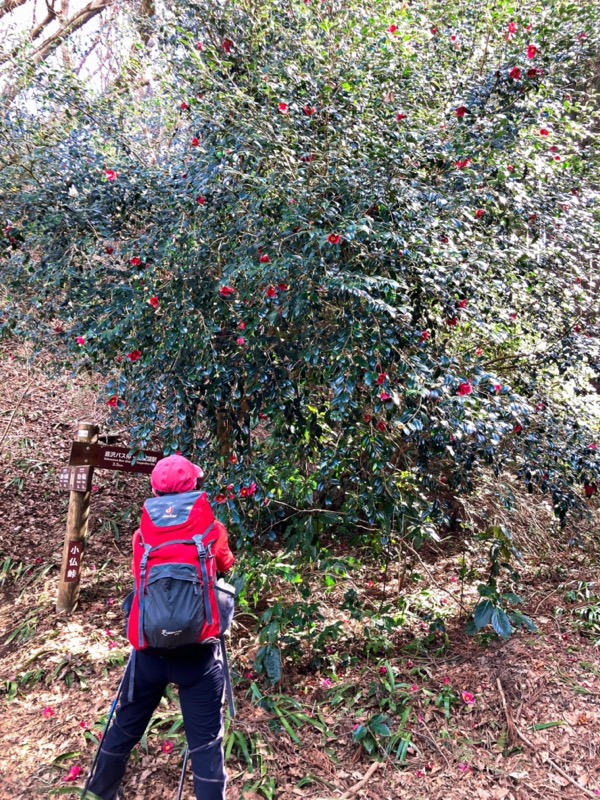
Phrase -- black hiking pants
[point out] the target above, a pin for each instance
(200, 678)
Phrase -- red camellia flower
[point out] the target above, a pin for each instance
(590, 489)
(479, 213)
(241, 341)
(264, 259)
(167, 746)
(262, 416)
(424, 336)
(497, 387)
(136, 261)
(110, 175)
(433, 31)
(381, 378)
(392, 29)
(308, 111)
(468, 698)
(478, 351)
(113, 402)
(462, 303)
(381, 426)
(154, 302)
(220, 498)
(367, 418)
(444, 239)
(135, 355)
(184, 106)
(515, 73)
(283, 287)
(400, 116)
(334, 238)
(195, 141)
(72, 774)
(201, 200)
(465, 388)
(58, 329)
(226, 291)
(282, 108)
(532, 51)
(80, 341)
(532, 72)
(461, 111)
(109, 250)
(242, 326)
(544, 132)
(452, 322)
(47, 712)
(463, 164)
(271, 292)
(227, 45)
(512, 29)
(199, 46)
(510, 168)
(385, 396)
(518, 428)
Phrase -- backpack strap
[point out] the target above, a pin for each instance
(141, 602)
(203, 554)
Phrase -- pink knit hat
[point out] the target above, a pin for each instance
(175, 474)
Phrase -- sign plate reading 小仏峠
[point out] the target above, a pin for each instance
(73, 565)
(112, 457)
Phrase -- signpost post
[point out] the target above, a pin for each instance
(86, 455)
(77, 520)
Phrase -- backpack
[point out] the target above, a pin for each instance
(174, 601)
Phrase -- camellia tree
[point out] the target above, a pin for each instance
(346, 253)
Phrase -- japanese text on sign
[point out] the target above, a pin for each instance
(73, 565)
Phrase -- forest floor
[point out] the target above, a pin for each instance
(472, 717)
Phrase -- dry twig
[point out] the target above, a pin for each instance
(357, 786)
(515, 732)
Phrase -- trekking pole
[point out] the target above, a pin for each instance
(108, 721)
(186, 755)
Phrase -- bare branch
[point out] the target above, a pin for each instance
(10, 5)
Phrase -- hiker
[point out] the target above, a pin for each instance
(182, 577)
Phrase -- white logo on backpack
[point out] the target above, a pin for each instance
(170, 633)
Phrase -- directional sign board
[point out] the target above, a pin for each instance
(111, 457)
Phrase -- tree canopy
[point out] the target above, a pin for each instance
(345, 253)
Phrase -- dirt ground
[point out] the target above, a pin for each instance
(524, 722)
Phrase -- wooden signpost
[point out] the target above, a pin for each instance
(86, 455)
